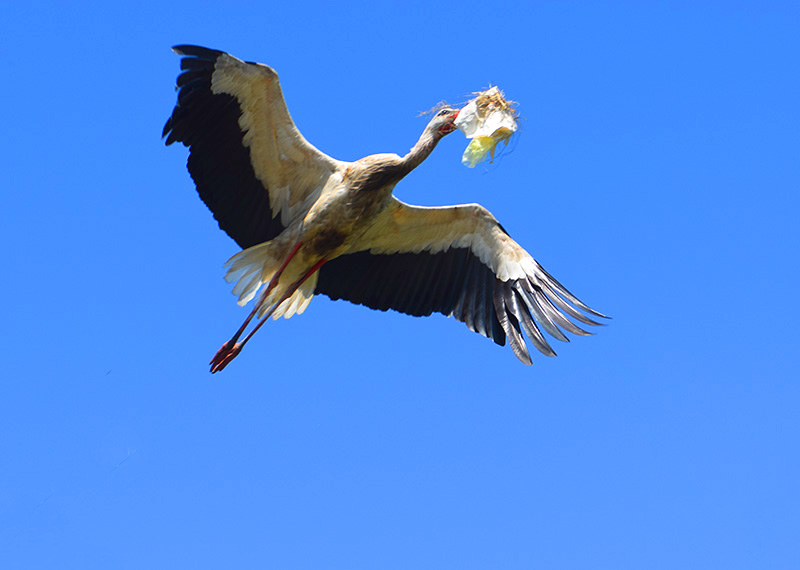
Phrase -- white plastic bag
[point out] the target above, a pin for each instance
(487, 119)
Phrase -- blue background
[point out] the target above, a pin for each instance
(656, 175)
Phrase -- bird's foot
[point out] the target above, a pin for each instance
(224, 355)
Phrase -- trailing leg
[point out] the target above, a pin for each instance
(231, 349)
(229, 346)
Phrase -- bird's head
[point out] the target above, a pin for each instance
(443, 122)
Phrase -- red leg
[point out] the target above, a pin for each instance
(220, 361)
(229, 346)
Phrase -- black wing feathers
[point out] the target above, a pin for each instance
(417, 284)
(455, 282)
(219, 163)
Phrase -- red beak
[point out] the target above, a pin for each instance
(450, 127)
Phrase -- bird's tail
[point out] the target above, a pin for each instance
(294, 305)
(252, 268)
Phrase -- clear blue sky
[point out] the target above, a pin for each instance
(656, 175)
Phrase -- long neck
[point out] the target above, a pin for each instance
(419, 152)
(378, 174)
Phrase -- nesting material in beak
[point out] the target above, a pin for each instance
(487, 119)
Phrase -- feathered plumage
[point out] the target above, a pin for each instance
(311, 224)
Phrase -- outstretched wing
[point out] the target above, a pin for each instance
(457, 261)
(252, 167)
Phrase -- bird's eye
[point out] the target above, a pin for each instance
(443, 112)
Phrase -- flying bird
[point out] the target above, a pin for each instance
(308, 223)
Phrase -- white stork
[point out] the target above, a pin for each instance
(309, 223)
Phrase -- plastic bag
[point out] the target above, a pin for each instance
(487, 119)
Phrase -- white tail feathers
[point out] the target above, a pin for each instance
(294, 305)
(253, 267)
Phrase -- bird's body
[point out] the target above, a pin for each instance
(333, 225)
(310, 224)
